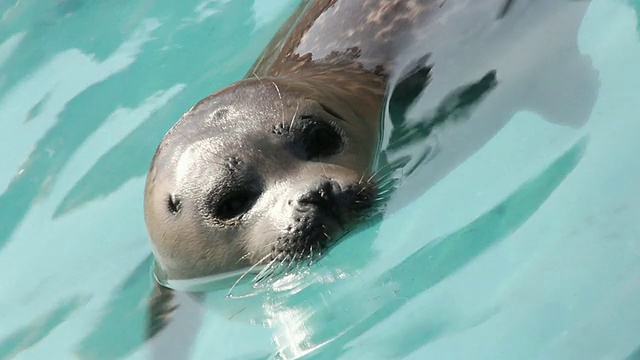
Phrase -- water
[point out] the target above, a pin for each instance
(520, 239)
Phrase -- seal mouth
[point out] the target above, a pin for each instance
(323, 215)
(330, 204)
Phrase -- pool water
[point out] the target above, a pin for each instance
(517, 238)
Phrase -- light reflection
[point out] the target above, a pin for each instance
(8, 47)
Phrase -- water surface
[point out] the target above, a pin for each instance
(516, 238)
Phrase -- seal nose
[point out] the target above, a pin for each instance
(322, 196)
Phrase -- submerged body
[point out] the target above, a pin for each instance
(276, 167)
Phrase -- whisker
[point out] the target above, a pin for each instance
(243, 257)
(277, 89)
(362, 177)
(245, 274)
(280, 268)
(293, 261)
(323, 168)
(385, 191)
(385, 195)
(267, 269)
(280, 97)
(378, 171)
(293, 118)
(257, 77)
(388, 180)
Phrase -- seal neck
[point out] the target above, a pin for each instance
(200, 284)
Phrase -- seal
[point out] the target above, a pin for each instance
(277, 167)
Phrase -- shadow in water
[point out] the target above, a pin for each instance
(121, 328)
(126, 325)
(506, 7)
(456, 106)
(635, 355)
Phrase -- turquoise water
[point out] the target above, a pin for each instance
(524, 245)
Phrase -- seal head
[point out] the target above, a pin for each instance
(266, 171)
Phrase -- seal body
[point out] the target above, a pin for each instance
(275, 168)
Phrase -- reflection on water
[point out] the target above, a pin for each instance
(523, 244)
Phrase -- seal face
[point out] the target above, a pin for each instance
(276, 177)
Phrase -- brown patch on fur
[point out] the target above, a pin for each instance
(329, 31)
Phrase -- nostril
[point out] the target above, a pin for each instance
(322, 195)
(329, 186)
(312, 197)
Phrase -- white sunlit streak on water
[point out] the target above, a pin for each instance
(292, 336)
(204, 10)
(52, 83)
(8, 47)
(265, 11)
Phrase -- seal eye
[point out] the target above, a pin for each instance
(234, 204)
(320, 139)
(174, 204)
